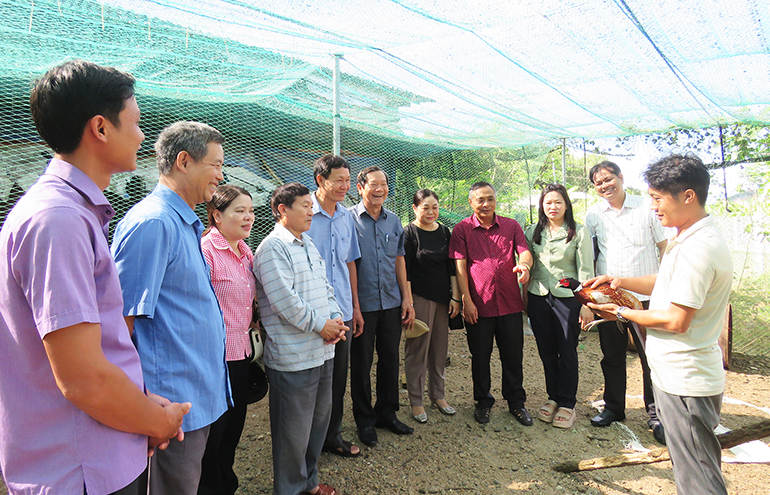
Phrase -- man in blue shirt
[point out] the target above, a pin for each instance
(168, 300)
(386, 303)
(334, 234)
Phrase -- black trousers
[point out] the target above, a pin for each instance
(556, 328)
(382, 331)
(614, 344)
(339, 384)
(217, 475)
(507, 331)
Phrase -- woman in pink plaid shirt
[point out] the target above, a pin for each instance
(231, 216)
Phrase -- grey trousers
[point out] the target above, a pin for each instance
(694, 448)
(427, 352)
(300, 406)
(177, 470)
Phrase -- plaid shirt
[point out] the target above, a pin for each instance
(235, 288)
(491, 255)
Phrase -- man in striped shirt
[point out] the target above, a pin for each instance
(629, 240)
(303, 322)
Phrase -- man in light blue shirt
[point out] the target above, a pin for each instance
(303, 323)
(168, 301)
(334, 234)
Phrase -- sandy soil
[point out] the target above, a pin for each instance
(453, 454)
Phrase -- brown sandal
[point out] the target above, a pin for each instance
(322, 490)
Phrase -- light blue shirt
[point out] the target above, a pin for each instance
(179, 330)
(295, 300)
(336, 240)
(381, 242)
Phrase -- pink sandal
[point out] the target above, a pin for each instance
(545, 414)
(564, 418)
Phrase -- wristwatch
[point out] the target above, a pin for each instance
(619, 314)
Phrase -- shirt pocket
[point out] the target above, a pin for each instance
(391, 245)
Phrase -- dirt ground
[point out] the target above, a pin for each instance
(453, 454)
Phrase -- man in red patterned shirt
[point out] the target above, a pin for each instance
(485, 247)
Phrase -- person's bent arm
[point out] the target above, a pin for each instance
(130, 324)
(470, 312)
(675, 319)
(640, 285)
(407, 303)
(455, 304)
(102, 390)
(524, 266)
(358, 318)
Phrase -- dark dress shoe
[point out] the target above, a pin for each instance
(368, 436)
(481, 415)
(521, 414)
(606, 418)
(659, 433)
(396, 427)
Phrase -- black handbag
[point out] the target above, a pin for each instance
(457, 322)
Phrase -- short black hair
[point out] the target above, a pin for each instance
(324, 166)
(677, 173)
(69, 95)
(286, 195)
(605, 165)
(363, 175)
(479, 185)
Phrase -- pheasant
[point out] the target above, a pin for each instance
(603, 294)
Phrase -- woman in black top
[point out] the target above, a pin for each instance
(436, 298)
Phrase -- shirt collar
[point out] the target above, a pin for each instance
(703, 223)
(82, 183)
(630, 201)
(177, 203)
(561, 232)
(476, 223)
(286, 236)
(318, 209)
(360, 209)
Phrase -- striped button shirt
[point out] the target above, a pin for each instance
(235, 288)
(295, 300)
(627, 238)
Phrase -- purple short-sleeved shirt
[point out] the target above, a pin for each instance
(491, 255)
(56, 271)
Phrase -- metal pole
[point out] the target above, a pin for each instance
(336, 104)
(564, 162)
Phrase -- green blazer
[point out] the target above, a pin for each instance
(556, 259)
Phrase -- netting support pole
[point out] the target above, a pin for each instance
(564, 162)
(336, 105)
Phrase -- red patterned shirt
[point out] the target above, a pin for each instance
(491, 255)
(235, 288)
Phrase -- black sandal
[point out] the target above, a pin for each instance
(344, 450)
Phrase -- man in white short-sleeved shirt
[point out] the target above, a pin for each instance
(688, 299)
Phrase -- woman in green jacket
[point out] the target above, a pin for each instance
(561, 248)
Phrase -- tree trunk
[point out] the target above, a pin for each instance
(726, 440)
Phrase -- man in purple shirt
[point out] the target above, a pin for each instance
(73, 414)
(485, 247)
